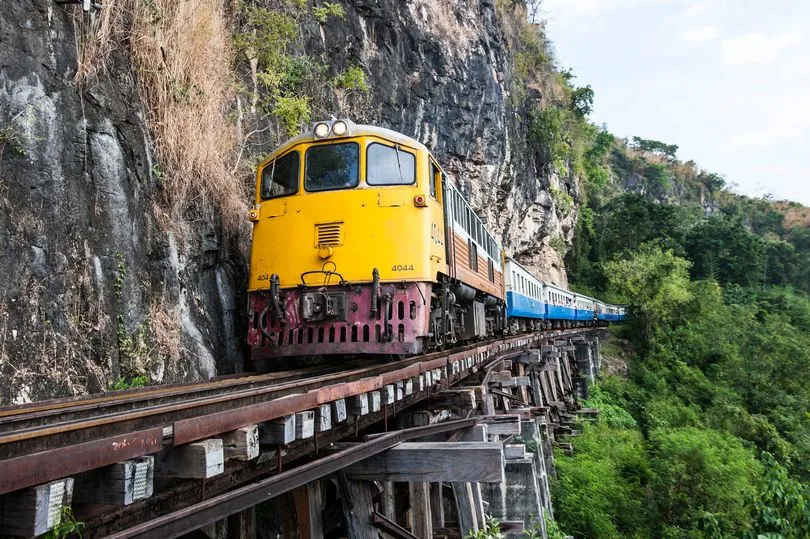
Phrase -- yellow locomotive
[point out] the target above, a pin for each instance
(361, 246)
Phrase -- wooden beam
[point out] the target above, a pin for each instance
(420, 509)
(323, 418)
(458, 400)
(434, 462)
(504, 425)
(119, 484)
(35, 510)
(198, 460)
(390, 527)
(304, 424)
(241, 444)
(279, 431)
(339, 411)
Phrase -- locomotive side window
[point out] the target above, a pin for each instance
(332, 166)
(388, 165)
(434, 175)
(280, 178)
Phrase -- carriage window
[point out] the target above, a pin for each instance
(280, 178)
(491, 271)
(383, 167)
(332, 166)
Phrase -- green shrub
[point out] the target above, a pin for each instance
(328, 9)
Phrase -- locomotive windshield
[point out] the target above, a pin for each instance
(280, 178)
(332, 166)
(387, 165)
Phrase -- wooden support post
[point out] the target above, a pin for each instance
(242, 525)
(428, 461)
(358, 508)
(198, 460)
(119, 484)
(420, 509)
(437, 505)
(279, 431)
(309, 509)
(241, 444)
(35, 510)
(465, 504)
(388, 500)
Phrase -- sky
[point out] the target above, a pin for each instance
(728, 81)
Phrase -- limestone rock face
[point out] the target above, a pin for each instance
(86, 268)
(94, 285)
(440, 71)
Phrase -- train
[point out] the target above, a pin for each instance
(361, 246)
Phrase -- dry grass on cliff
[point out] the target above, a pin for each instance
(181, 53)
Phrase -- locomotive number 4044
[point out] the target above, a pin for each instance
(402, 267)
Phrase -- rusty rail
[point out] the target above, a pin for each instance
(61, 448)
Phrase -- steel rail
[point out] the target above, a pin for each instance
(199, 418)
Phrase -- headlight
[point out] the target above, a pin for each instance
(322, 130)
(339, 128)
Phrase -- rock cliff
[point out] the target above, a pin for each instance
(97, 285)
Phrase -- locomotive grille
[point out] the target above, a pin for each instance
(328, 234)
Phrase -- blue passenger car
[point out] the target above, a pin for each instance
(524, 293)
(559, 303)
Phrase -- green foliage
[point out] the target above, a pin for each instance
(353, 78)
(611, 412)
(9, 139)
(601, 490)
(490, 530)
(582, 101)
(562, 200)
(124, 383)
(68, 526)
(655, 146)
(292, 112)
(653, 281)
(553, 530)
(724, 250)
(703, 480)
(328, 9)
(782, 508)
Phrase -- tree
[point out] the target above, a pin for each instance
(704, 481)
(723, 249)
(582, 101)
(654, 281)
(655, 146)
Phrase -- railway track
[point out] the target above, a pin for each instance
(50, 440)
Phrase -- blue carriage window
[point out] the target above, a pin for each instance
(332, 166)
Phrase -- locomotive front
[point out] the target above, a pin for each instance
(348, 237)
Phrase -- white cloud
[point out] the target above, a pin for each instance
(700, 34)
(695, 9)
(758, 48)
